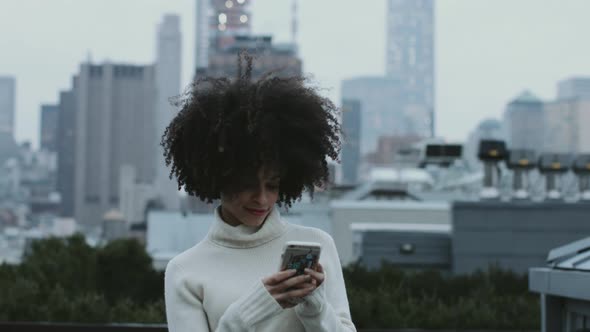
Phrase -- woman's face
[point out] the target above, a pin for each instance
(252, 205)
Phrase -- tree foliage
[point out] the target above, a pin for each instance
(65, 280)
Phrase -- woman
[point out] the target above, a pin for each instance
(253, 145)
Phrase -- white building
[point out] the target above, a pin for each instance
(409, 58)
(168, 67)
(348, 215)
(135, 196)
(567, 126)
(575, 87)
(523, 122)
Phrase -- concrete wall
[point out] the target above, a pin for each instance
(430, 250)
(514, 235)
(345, 213)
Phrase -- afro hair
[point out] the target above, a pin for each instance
(227, 129)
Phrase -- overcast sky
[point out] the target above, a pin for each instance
(487, 51)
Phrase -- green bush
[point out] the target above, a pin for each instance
(65, 280)
(392, 298)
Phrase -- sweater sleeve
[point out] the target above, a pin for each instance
(184, 309)
(326, 309)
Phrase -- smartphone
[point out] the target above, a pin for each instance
(299, 255)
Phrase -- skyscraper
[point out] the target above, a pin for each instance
(567, 126)
(66, 157)
(168, 68)
(229, 32)
(410, 60)
(281, 60)
(202, 33)
(575, 87)
(49, 119)
(115, 107)
(7, 106)
(218, 22)
(382, 113)
(8, 147)
(351, 149)
(523, 121)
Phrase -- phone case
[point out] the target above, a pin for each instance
(300, 255)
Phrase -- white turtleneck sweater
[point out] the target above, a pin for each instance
(217, 284)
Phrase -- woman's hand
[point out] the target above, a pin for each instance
(286, 289)
(317, 275)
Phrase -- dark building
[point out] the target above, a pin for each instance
(351, 149)
(106, 121)
(513, 235)
(282, 59)
(49, 120)
(66, 150)
(411, 247)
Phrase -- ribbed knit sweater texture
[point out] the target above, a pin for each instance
(217, 284)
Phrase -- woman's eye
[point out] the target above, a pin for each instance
(273, 186)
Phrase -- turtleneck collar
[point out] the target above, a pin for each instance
(242, 236)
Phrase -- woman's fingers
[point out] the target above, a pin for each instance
(291, 282)
(317, 274)
(279, 277)
(285, 287)
(296, 293)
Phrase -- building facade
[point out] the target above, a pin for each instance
(168, 68)
(7, 105)
(66, 154)
(567, 126)
(351, 149)
(523, 120)
(410, 59)
(218, 23)
(115, 107)
(49, 119)
(576, 87)
(282, 60)
(382, 103)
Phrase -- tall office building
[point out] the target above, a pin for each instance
(7, 105)
(410, 60)
(218, 22)
(49, 119)
(282, 59)
(8, 147)
(523, 121)
(202, 33)
(115, 111)
(575, 87)
(351, 149)
(66, 157)
(168, 68)
(382, 113)
(567, 126)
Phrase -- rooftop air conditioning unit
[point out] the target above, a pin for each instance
(553, 166)
(521, 162)
(491, 153)
(582, 169)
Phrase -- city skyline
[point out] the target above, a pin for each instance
(478, 69)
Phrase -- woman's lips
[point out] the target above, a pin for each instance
(257, 212)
